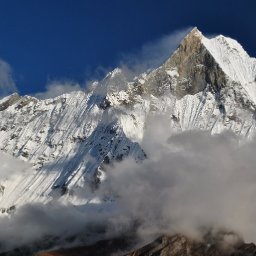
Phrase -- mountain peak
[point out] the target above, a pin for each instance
(192, 41)
(195, 32)
(115, 72)
(200, 61)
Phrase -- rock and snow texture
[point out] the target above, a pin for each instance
(66, 139)
(206, 84)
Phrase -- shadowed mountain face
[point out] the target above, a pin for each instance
(104, 247)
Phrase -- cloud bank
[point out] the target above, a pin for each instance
(60, 224)
(191, 184)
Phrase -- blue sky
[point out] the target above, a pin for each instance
(44, 40)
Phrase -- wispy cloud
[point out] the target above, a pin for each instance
(153, 54)
(7, 84)
(58, 87)
(150, 55)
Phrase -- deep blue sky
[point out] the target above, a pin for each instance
(55, 39)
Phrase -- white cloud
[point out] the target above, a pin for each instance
(7, 84)
(39, 222)
(10, 166)
(56, 88)
(192, 183)
(33, 222)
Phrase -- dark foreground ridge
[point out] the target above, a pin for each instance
(181, 246)
(176, 245)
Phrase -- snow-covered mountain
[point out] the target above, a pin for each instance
(207, 84)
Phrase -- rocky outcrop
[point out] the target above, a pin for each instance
(12, 99)
(176, 245)
(195, 66)
(181, 246)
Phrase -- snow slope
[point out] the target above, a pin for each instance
(234, 61)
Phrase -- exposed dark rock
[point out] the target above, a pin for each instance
(12, 100)
(104, 104)
(176, 245)
(195, 66)
(181, 246)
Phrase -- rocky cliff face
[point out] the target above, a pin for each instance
(195, 66)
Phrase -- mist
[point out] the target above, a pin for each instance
(11, 166)
(56, 223)
(153, 54)
(191, 183)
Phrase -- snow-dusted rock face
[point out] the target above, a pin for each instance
(66, 139)
(206, 84)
